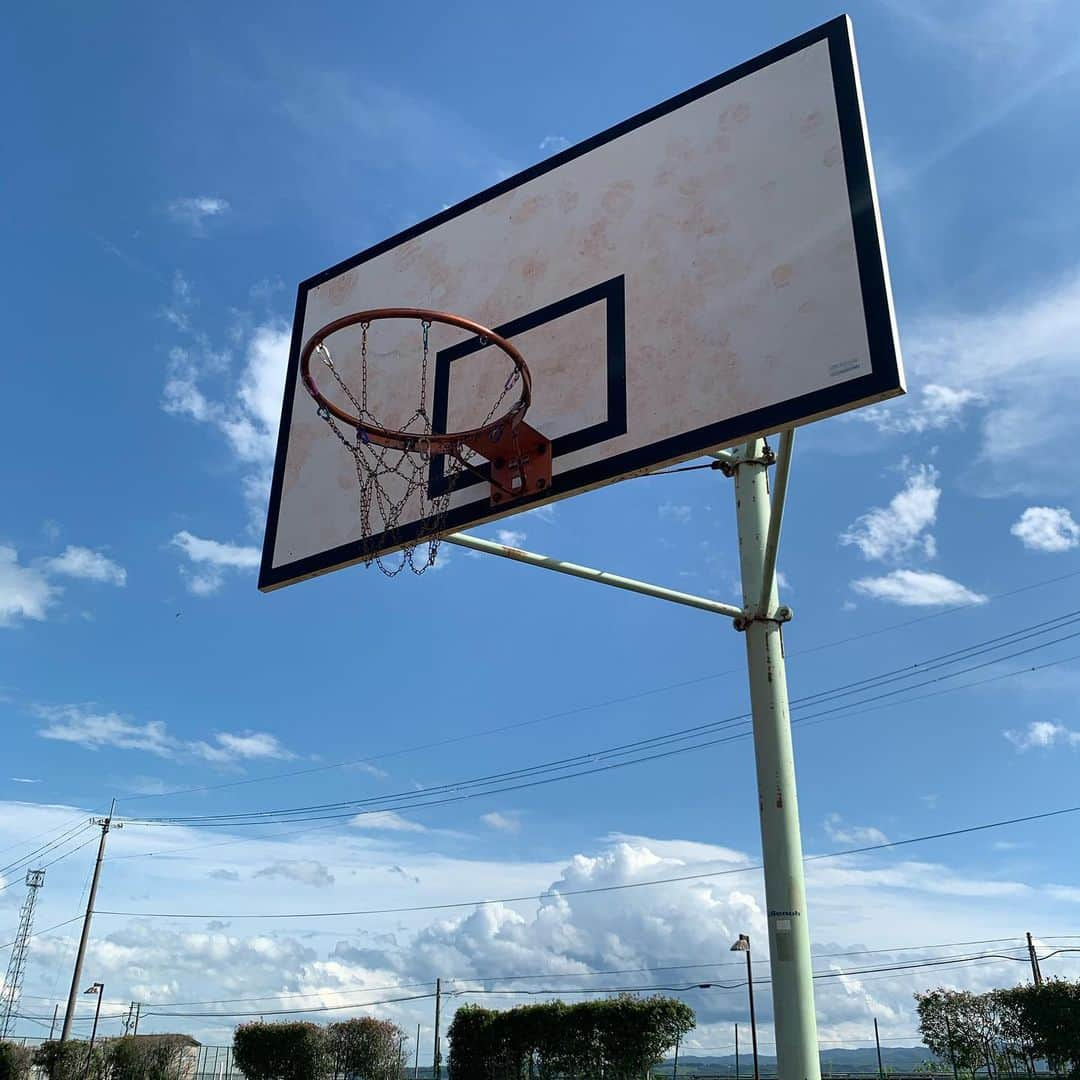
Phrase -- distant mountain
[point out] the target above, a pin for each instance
(839, 1062)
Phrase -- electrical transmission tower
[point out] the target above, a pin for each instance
(12, 988)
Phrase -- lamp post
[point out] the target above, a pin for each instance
(743, 945)
(98, 989)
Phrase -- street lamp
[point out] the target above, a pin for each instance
(743, 945)
(98, 989)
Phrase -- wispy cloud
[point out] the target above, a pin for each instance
(931, 408)
(675, 512)
(94, 729)
(1047, 528)
(244, 407)
(306, 871)
(917, 588)
(1043, 734)
(87, 565)
(841, 833)
(23, 780)
(889, 532)
(25, 593)
(387, 821)
(1021, 361)
(552, 144)
(211, 559)
(193, 212)
(506, 823)
(511, 537)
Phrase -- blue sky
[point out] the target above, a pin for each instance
(170, 177)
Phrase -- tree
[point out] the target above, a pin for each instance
(150, 1057)
(366, 1048)
(1051, 1015)
(67, 1060)
(15, 1061)
(285, 1051)
(953, 1026)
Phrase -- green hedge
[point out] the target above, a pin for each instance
(15, 1061)
(619, 1038)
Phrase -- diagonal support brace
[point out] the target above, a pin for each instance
(587, 573)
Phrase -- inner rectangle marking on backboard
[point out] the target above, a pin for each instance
(610, 297)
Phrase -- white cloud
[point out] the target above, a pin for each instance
(212, 558)
(245, 408)
(933, 408)
(1047, 528)
(93, 729)
(895, 530)
(917, 588)
(507, 823)
(511, 537)
(1021, 359)
(841, 833)
(1043, 734)
(675, 512)
(552, 144)
(215, 552)
(306, 871)
(857, 903)
(244, 746)
(81, 562)
(194, 211)
(24, 591)
(23, 780)
(387, 821)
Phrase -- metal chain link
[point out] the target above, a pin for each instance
(376, 464)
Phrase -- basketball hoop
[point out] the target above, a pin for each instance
(394, 462)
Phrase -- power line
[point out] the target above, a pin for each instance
(599, 888)
(37, 853)
(37, 836)
(53, 862)
(463, 790)
(739, 985)
(562, 714)
(561, 975)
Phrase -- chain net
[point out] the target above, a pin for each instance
(391, 480)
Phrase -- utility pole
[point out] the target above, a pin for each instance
(759, 522)
(12, 987)
(736, 1052)
(416, 1061)
(52, 1026)
(138, 1009)
(877, 1043)
(675, 1067)
(436, 1068)
(69, 1016)
(1036, 971)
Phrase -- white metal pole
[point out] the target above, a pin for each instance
(602, 577)
(785, 889)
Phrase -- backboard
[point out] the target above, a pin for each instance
(707, 271)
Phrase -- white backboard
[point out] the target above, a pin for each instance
(707, 271)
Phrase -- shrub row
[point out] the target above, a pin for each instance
(161, 1058)
(364, 1047)
(619, 1038)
